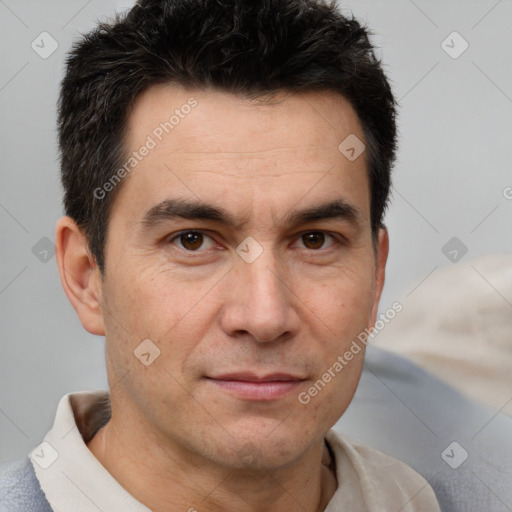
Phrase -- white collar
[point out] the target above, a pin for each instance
(69, 474)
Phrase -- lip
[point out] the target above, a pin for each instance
(253, 377)
(248, 385)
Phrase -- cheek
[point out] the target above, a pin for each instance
(331, 392)
(344, 302)
(152, 299)
(150, 303)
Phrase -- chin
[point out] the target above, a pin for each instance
(261, 451)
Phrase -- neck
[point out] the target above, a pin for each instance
(164, 477)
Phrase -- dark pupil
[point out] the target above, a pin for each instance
(313, 240)
(191, 240)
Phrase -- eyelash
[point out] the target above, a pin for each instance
(338, 239)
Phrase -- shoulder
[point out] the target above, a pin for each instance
(385, 482)
(20, 489)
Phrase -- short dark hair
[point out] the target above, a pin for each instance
(248, 47)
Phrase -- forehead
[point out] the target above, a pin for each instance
(211, 143)
(318, 118)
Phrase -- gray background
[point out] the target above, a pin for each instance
(452, 171)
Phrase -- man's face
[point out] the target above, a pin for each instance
(243, 326)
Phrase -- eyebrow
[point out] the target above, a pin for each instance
(337, 209)
(186, 209)
(170, 209)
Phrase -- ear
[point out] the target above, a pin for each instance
(380, 271)
(79, 274)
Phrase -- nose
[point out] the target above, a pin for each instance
(259, 301)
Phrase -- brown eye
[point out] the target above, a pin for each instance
(190, 240)
(313, 240)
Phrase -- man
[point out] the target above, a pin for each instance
(226, 168)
